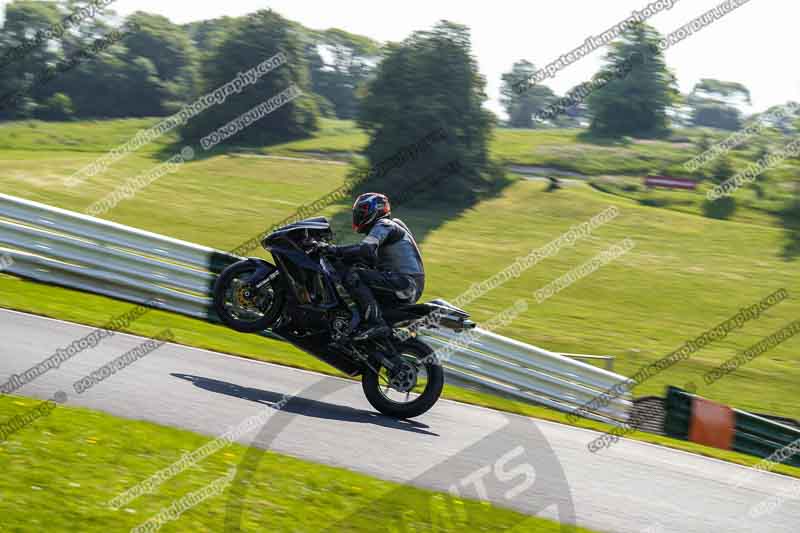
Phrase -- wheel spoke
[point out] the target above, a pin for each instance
(399, 392)
(251, 308)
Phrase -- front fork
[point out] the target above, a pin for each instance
(263, 273)
(344, 294)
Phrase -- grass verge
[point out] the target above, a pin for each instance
(61, 471)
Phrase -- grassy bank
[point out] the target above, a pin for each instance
(686, 274)
(68, 465)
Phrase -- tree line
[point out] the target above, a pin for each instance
(395, 92)
(161, 66)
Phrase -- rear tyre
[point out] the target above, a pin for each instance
(383, 397)
(244, 307)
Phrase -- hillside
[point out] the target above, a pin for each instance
(686, 274)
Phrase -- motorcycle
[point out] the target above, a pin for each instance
(302, 300)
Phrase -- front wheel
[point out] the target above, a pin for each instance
(410, 392)
(244, 307)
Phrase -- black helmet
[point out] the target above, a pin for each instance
(368, 208)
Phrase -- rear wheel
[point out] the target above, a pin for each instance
(242, 306)
(410, 392)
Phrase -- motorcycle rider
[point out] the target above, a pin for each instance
(389, 246)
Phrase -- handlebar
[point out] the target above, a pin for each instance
(313, 246)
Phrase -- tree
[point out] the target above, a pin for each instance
(724, 207)
(575, 113)
(715, 104)
(791, 217)
(113, 84)
(722, 170)
(25, 51)
(325, 106)
(633, 104)
(521, 107)
(427, 82)
(352, 60)
(721, 208)
(781, 117)
(713, 115)
(57, 107)
(339, 62)
(251, 41)
(207, 35)
(733, 92)
(24, 39)
(168, 47)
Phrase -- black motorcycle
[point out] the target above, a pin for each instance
(302, 300)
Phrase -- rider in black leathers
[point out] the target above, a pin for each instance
(389, 246)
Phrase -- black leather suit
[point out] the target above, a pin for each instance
(399, 275)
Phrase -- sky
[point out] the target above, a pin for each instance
(750, 45)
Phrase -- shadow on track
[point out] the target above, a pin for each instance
(306, 407)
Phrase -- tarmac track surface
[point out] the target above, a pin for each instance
(534, 466)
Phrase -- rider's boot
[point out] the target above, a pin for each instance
(373, 326)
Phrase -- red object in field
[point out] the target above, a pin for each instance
(670, 183)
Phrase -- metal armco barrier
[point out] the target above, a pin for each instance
(507, 367)
(61, 247)
(608, 360)
(752, 434)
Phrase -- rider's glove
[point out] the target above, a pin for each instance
(325, 248)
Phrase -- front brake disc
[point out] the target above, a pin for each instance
(405, 378)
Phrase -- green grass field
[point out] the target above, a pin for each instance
(335, 137)
(60, 472)
(686, 274)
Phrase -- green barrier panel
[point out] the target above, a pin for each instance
(679, 413)
(754, 434)
(762, 437)
(754, 445)
(759, 447)
(766, 428)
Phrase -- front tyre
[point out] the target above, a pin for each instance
(244, 307)
(408, 394)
